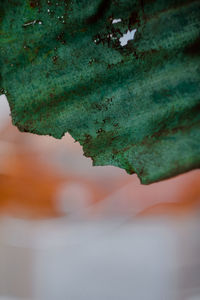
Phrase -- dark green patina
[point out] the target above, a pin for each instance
(136, 106)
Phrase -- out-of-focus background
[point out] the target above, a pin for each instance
(70, 231)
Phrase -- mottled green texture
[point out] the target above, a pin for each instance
(136, 107)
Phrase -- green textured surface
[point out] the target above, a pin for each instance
(136, 107)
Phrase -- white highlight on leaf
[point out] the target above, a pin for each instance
(30, 23)
(129, 35)
(114, 21)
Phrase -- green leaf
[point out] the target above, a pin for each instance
(64, 67)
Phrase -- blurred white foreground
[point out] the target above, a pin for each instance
(118, 259)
